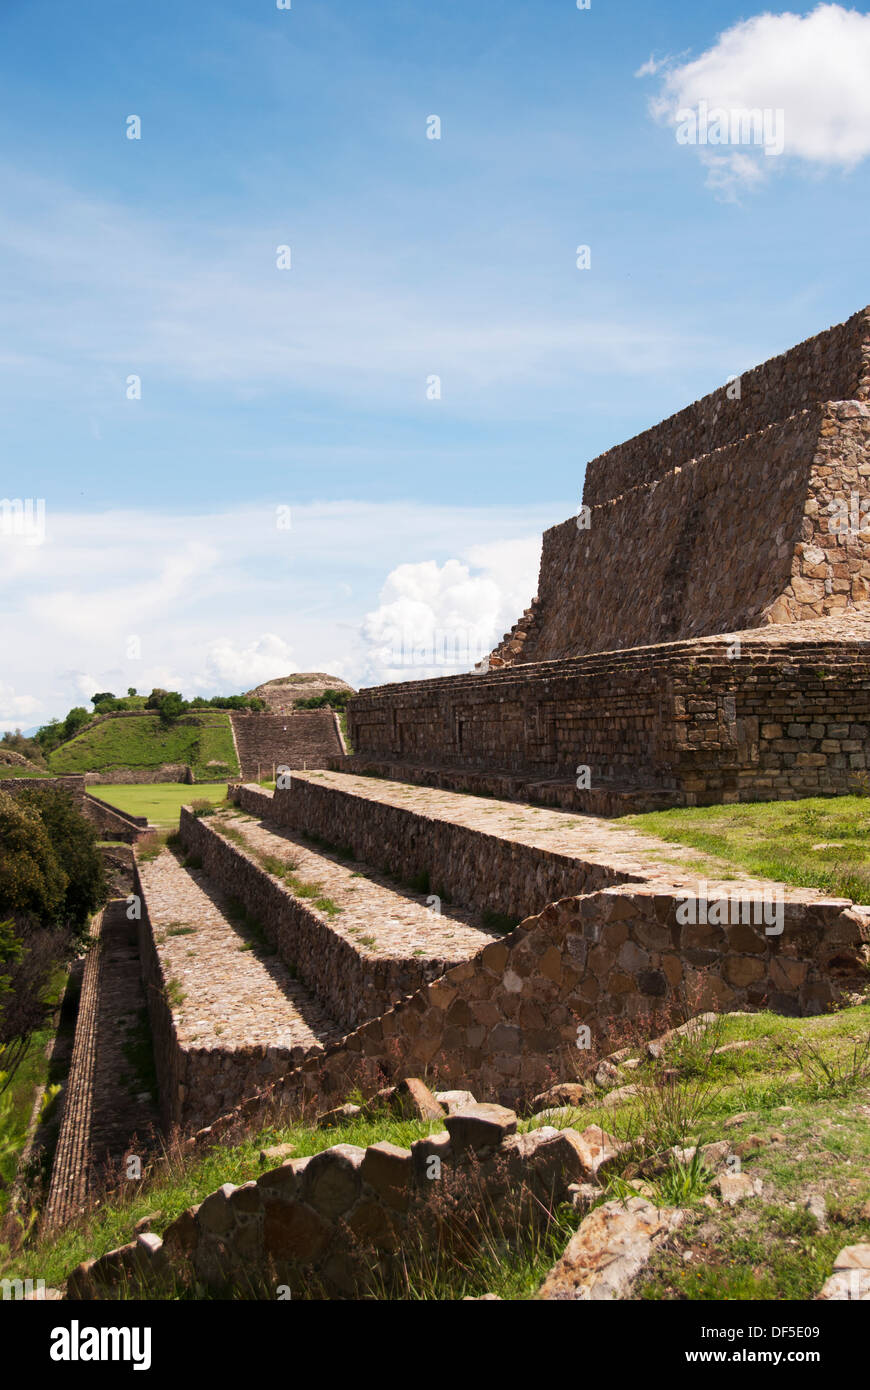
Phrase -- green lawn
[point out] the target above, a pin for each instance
(203, 741)
(822, 842)
(161, 802)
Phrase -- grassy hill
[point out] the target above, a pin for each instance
(203, 741)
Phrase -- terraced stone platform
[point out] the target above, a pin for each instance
(359, 940)
(226, 1016)
(761, 714)
(488, 853)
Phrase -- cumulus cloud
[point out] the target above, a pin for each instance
(231, 667)
(218, 602)
(16, 709)
(813, 69)
(438, 619)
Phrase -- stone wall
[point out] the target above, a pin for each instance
(481, 871)
(353, 984)
(196, 1083)
(303, 738)
(122, 776)
(833, 366)
(729, 541)
(788, 716)
(507, 1020)
(75, 785)
(113, 823)
(322, 1225)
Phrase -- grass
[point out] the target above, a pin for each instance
(17, 1100)
(284, 869)
(822, 842)
(161, 802)
(797, 1139)
(202, 741)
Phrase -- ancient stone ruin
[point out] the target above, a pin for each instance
(433, 906)
(701, 631)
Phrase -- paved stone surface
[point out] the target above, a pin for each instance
(232, 996)
(587, 839)
(377, 916)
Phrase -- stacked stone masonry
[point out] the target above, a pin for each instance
(225, 1019)
(373, 943)
(832, 366)
(303, 738)
(325, 1224)
(779, 713)
(507, 1020)
(757, 531)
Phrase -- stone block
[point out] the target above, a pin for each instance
(479, 1127)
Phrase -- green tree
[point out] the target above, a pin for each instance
(32, 883)
(77, 717)
(170, 707)
(74, 842)
(51, 879)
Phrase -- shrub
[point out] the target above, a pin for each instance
(336, 699)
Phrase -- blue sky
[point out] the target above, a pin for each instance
(410, 257)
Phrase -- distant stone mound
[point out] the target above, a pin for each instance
(9, 758)
(282, 693)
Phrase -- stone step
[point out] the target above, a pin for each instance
(359, 939)
(608, 798)
(226, 1015)
(303, 738)
(488, 854)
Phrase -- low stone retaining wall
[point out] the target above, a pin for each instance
(121, 776)
(70, 1170)
(197, 1083)
(18, 786)
(114, 823)
(319, 1225)
(484, 872)
(351, 983)
(507, 1021)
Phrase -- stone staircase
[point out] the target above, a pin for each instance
(304, 738)
(347, 930)
(262, 947)
(104, 1106)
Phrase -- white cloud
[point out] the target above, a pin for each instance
(234, 668)
(15, 709)
(434, 620)
(813, 68)
(221, 601)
